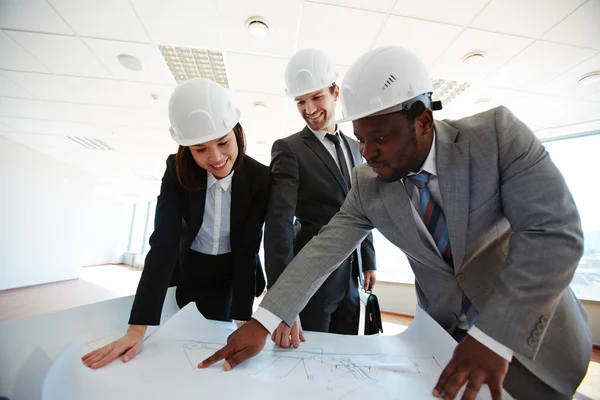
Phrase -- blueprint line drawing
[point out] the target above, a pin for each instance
(338, 374)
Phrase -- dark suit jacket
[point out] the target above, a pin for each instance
(307, 184)
(179, 215)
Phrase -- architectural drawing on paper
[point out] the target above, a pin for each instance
(336, 373)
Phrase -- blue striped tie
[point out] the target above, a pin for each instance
(434, 220)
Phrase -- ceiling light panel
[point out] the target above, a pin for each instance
(446, 90)
(186, 63)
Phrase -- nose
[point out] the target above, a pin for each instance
(214, 155)
(368, 151)
(310, 107)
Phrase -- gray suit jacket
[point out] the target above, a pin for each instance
(516, 241)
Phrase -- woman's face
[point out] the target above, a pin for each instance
(217, 156)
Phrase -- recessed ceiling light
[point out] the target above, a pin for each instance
(473, 59)
(130, 62)
(259, 106)
(257, 26)
(590, 78)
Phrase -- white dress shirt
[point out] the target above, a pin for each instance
(330, 146)
(214, 236)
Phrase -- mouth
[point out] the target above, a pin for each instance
(220, 166)
(314, 117)
(377, 168)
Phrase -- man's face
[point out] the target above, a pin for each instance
(392, 145)
(318, 108)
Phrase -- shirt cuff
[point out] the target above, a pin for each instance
(491, 344)
(267, 319)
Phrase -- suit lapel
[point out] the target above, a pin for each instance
(398, 206)
(197, 202)
(353, 150)
(240, 203)
(453, 178)
(315, 145)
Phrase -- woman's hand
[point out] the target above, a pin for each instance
(127, 346)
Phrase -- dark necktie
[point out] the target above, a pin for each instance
(340, 155)
(434, 220)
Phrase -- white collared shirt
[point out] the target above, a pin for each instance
(330, 146)
(214, 236)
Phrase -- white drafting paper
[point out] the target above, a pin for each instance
(326, 366)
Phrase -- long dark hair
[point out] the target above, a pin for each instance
(190, 174)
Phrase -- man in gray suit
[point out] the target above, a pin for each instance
(487, 222)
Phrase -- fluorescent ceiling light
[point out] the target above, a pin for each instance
(187, 63)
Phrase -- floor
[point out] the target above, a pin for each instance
(107, 282)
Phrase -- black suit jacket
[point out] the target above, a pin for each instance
(307, 184)
(178, 218)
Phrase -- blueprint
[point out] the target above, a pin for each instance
(326, 366)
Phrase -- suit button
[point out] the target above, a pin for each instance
(544, 320)
(540, 327)
(536, 334)
(532, 341)
(460, 278)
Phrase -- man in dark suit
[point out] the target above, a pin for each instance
(311, 178)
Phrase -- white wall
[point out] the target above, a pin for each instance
(51, 220)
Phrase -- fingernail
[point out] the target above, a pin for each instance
(201, 364)
(227, 367)
(436, 393)
(125, 359)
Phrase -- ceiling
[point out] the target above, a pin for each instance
(60, 77)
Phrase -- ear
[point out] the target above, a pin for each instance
(336, 93)
(425, 121)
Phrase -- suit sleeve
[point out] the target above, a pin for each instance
(367, 253)
(318, 259)
(546, 244)
(279, 226)
(164, 252)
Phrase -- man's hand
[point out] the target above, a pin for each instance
(242, 344)
(285, 336)
(474, 364)
(369, 280)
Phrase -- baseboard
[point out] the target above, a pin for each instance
(398, 314)
(36, 285)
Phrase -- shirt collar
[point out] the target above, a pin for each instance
(321, 134)
(429, 164)
(224, 182)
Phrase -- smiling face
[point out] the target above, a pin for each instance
(217, 156)
(393, 145)
(318, 108)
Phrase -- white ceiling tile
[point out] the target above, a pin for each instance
(496, 47)
(44, 86)
(275, 105)
(594, 97)
(538, 64)
(574, 112)
(568, 130)
(580, 28)
(536, 110)
(251, 73)
(31, 15)
(342, 33)
(567, 84)
(434, 38)
(104, 115)
(154, 67)
(120, 93)
(530, 18)
(383, 6)
(450, 12)
(15, 57)
(184, 23)
(109, 19)
(45, 127)
(282, 17)
(8, 88)
(478, 98)
(61, 54)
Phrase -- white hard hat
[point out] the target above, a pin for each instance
(201, 110)
(307, 71)
(385, 79)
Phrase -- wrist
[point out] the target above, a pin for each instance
(139, 330)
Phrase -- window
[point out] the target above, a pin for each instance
(138, 228)
(577, 159)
